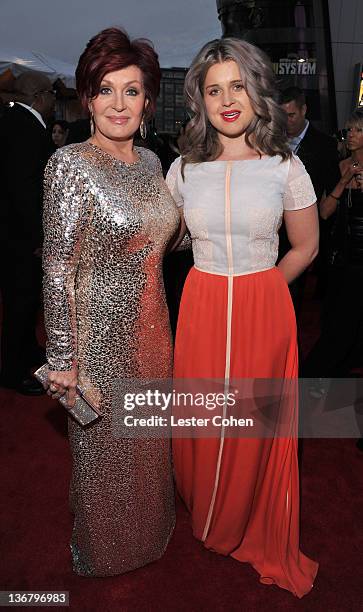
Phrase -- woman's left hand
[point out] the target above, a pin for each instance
(60, 383)
(359, 179)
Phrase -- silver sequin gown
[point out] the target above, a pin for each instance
(106, 227)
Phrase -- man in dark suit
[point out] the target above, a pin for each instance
(317, 150)
(24, 151)
(319, 154)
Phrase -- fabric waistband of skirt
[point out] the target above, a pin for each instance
(229, 274)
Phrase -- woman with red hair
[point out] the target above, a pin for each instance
(108, 217)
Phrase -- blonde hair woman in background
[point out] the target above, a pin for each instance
(335, 352)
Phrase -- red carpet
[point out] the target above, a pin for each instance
(36, 526)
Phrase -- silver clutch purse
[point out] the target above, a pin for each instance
(84, 410)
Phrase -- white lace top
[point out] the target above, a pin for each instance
(234, 209)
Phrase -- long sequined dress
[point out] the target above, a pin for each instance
(106, 226)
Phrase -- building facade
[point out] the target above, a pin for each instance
(170, 110)
(346, 27)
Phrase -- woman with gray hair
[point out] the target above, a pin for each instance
(234, 182)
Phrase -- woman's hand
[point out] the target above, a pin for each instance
(302, 228)
(350, 171)
(60, 383)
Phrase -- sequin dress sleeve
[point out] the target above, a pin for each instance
(67, 210)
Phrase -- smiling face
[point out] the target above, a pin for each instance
(227, 104)
(119, 106)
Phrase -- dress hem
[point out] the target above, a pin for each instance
(130, 569)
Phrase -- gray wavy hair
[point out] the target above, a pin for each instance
(267, 130)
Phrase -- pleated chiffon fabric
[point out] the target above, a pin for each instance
(243, 493)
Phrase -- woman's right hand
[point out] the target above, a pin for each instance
(60, 383)
(350, 171)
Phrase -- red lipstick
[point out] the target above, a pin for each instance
(230, 116)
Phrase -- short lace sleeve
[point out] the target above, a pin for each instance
(299, 191)
(173, 179)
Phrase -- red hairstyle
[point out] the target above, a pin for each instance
(112, 50)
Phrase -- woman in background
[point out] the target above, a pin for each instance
(332, 354)
(234, 181)
(335, 352)
(108, 217)
(60, 133)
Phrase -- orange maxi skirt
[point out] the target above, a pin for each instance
(243, 496)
